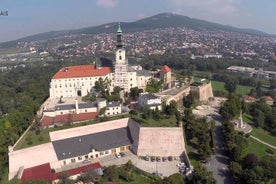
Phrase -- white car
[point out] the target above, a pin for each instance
(181, 164)
(118, 155)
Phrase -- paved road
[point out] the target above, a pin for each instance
(167, 168)
(218, 163)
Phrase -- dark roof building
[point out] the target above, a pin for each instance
(82, 145)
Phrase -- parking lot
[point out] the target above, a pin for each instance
(167, 167)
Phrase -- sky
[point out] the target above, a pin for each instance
(20, 18)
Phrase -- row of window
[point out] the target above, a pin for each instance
(71, 112)
(82, 78)
(107, 152)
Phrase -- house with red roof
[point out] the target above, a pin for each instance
(45, 173)
(166, 75)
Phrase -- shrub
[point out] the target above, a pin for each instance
(269, 151)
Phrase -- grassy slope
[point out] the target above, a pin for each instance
(255, 146)
(258, 132)
(241, 90)
(258, 148)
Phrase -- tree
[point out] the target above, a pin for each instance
(88, 176)
(259, 118)
(272, 83)
(102, 111)
(134, 93)
(230, 108)
(64, 179)
(189, 100)
(236, 170)
(110, 173)
(173, 179)
(202, 176)
(102, 86)
(153, 86)
(251, 160)
(231, 85)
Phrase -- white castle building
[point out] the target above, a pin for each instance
(73, 81)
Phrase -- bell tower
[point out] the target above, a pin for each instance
(121, 63)
(119, 34)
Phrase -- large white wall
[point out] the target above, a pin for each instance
(69, 87)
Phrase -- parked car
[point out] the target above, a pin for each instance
(118, 155)
(122, 154)
(182, 164)
(170, 158)
(147, 158)
(153, 158)
(164, 159)
(158, 174)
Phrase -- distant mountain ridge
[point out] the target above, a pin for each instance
(162, 20)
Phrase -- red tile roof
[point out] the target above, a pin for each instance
(269, 98)
(47, 120)
(44, 173)
(41, 172)
(81, 71)
(165, 68)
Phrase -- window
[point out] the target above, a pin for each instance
(79, 158)
(64, 162)
(86, 156)
(120, 57)
(101, 153)
(85, 110)
(73, 160)
(106, 152)
(61, 112)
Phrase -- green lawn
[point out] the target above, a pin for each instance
(32, 138)
(138, 179)
(258, 148)
(264, 136)
(258, 132)
(169, 121)
(241, 90)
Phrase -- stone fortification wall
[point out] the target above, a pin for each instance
(204, 91)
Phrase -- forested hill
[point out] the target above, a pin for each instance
(162, 20)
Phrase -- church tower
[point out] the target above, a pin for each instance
(121, 63)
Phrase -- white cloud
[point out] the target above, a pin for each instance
(213, 6)
(107, 3)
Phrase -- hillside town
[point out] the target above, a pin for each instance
(194, 44)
